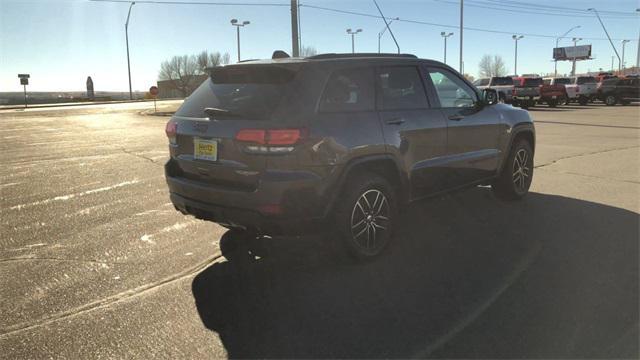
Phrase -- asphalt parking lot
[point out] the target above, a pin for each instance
(95, 262)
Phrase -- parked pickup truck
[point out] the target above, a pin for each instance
(503, 85)
(586, 88)
(621, 91)
(526, 91)
(552, 94)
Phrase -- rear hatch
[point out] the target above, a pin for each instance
(588, 85)
(530, 87)
(231, 109)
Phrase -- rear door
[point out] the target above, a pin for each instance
(414, 132)
(235, 102)
(472, 130)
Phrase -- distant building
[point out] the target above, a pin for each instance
(168, 90)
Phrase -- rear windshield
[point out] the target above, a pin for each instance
(251, 92)
(533, 82)
(563, 81)
(499, 81)
(586, 80)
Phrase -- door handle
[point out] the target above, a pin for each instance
(395, 121)
(456, 117)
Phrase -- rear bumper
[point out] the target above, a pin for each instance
(284, 203)
(526, 97)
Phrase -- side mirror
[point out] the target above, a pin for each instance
(490, 96)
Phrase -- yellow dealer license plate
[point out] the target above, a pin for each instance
(205, 149)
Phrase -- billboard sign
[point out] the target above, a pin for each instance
(582, 52)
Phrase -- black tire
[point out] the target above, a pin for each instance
(583, 100)
(366, 216)
(514, 180)
(552, 103)
(610, 100)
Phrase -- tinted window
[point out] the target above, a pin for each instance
(501, 81)
(562, 81)
(451, 90)
(244, 91)
(533, 82)
(348, 90)
(547, 81)
(586, 80)
(401, 88)
(481, 82)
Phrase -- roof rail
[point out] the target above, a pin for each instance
(359, 55)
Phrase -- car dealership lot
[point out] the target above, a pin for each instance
(94, 261)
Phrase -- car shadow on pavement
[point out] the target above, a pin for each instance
(467, 276)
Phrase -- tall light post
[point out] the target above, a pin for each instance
(126, 35)
(353, 41)
(638, 56)
(461, 33)
(573, 67)
(624, 42)
(238, 25)
(445, 35)
(516, 38)
(555, 69)
(612, 58)
(608, 37)
(383, 31)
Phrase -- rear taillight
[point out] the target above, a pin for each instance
(171, 130)
(273, 141)
(577, 89)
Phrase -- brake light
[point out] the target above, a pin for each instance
(171, 129)
(273, 141)
(577, 89)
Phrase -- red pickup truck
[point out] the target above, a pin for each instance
(552, 94)
(526, 91)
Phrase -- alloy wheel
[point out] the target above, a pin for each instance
(370, 221)
(521, 171)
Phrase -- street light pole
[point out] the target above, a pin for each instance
(353, 41)
(573, 67)
(607, 33)
(624, 42)
(445, 35)
(238, 25)
(383, 31)
(126, 34)
(612, 58)
(555, 69)
(461, 33)
(516, 38)
(638, 56)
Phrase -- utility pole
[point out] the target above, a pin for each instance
(573, 67)
(353, 35)
(638, 56)
(555, 69)
(445, 35)
(383, 31)
(238, 25)
(612, 58)
(516, 38)
(608, 37)
(624, 42)
(126, 34)
(461, 32)
(295, 43)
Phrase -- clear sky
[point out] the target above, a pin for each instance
(61, 42)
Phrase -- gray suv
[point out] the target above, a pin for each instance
(338, 141)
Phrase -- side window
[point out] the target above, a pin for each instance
(546, 81)
(348, 90)
(451, 90)
(484, 82)
(401, 88)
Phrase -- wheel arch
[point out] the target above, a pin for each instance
(520, 131)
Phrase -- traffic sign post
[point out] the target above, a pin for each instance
(154, 92)
(24, 81)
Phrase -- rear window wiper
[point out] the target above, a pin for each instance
(213, 112)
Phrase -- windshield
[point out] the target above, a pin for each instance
(502, 81)
(244, 91)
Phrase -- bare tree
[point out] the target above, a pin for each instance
(306, 51)
(207, 60)
(180, 70)
(469, 77)
(492, 66)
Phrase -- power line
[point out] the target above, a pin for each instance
(192, 3)
(348, 12)
(549, 7)
(527, 10)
